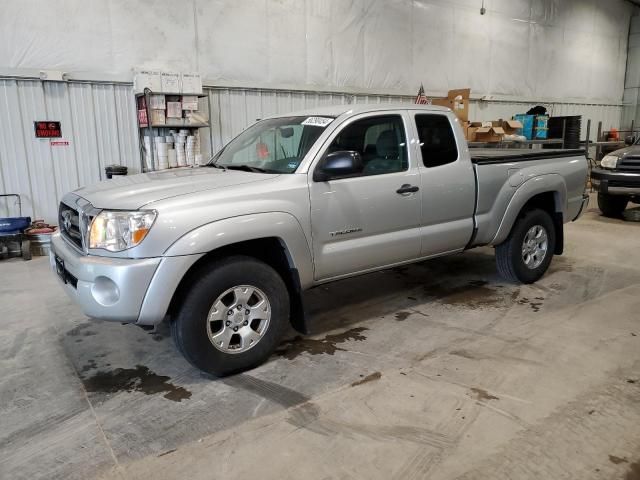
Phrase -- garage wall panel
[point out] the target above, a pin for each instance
(99, 121)
(14, 169)
(37, 151)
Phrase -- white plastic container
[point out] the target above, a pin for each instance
(173, 158)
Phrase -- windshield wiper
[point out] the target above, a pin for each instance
(248, 168)
(221, 167)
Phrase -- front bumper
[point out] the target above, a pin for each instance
(119, 289)
(105, 287)
(612, 182)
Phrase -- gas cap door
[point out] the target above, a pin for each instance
(515, 177)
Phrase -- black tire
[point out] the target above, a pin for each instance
(509, 259)
(612, 205)
(189, 328)
(26, 249)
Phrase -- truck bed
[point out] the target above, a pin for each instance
(482, 156)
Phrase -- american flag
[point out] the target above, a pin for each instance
(421, 98)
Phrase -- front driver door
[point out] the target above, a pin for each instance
(363, 222)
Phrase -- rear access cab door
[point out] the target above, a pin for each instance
(447, 182)
(364, 222)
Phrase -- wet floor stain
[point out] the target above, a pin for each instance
(81, 330)
(402, 316)
(138, 379)
(534, 304)
(91, 365)
(464, 354)
(291, 349)
(474, 294)
(369, 378)
(634, 472)
(617, 460)
(560, 264)
(482, 394)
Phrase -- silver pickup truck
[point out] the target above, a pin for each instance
(224, 251)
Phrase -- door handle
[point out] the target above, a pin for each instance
(406, 188)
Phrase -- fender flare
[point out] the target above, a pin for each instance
(552, 182)
(220, 233)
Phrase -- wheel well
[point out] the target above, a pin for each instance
(550, 203)
(270, 250)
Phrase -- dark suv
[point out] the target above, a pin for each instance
(618, 179)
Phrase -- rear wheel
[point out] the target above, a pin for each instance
(612, 205)
(527, 252)
(233, 316)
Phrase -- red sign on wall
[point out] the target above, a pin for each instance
(47, 129)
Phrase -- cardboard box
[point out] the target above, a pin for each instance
(158, 117)
(174, 109)
(511, 127)
(191, 83)
(147, 79)
(489, 134)
(171, 82)
(190, 102)
(142, 118)
(157, 102)
(458, 101)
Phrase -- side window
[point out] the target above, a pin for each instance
(437, 142)
(381, 142)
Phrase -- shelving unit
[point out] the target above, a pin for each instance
(153, 130)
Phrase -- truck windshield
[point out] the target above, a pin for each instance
(276, 145)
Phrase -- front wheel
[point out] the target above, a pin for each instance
(232, 317)
(527, 252)
(612, 205)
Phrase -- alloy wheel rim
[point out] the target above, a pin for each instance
(534, 246)
(238, 319)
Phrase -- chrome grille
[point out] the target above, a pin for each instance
(69, 223)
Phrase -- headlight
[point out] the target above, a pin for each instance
(609, 161)
(117, 231)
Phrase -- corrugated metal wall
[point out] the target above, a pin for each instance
(99, 121)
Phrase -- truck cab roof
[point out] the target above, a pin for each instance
(354, 109)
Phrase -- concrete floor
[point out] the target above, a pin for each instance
(439, 370)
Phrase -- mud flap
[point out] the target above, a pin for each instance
(298, 314)
(557, 222)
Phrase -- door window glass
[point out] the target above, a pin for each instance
(437, 142)
(380, 141)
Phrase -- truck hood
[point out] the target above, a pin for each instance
(633, 151)
(133, 192)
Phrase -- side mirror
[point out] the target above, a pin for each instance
(341, 164)
(629, 140)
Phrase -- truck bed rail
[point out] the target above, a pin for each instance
(486, 156)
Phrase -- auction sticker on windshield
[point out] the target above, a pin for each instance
(318, 121)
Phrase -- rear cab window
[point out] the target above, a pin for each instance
(437, 140)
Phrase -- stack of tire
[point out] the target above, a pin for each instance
(571, 126)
